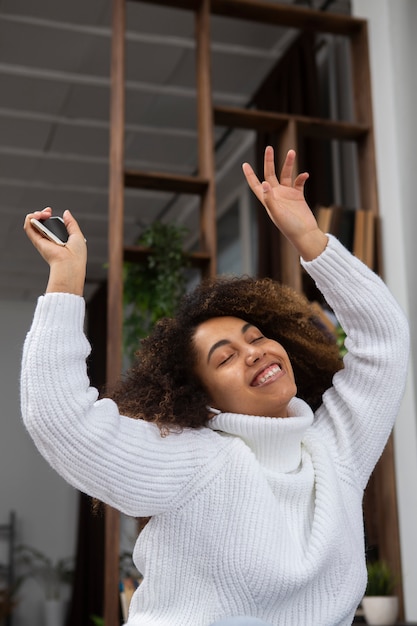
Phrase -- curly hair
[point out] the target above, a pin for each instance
(162, 387)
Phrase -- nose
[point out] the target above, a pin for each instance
(254, 353)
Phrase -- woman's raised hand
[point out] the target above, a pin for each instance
(285, 203)
(67, 263)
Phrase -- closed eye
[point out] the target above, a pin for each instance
(257, 339)
(226, 360)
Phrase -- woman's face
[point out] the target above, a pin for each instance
(243, 371)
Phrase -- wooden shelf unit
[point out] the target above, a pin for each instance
(290, 128)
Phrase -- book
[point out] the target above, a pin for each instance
(324, 217)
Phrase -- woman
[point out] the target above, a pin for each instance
(255, 500)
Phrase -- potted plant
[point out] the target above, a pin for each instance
(52, 576)
(153, 288)
(380, 604)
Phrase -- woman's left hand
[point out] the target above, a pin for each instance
(286, 205)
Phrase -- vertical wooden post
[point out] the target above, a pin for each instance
(362, 101)
(115, 282)
(206, 164)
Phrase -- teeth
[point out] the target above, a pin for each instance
(271, 372)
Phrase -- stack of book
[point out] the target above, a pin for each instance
(355, 228)
(127, 588)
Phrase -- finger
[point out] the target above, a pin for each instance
(269, 166)
(252, 180)
(268, 197)
(287, 169)
(300, 181)
(31, 232)
(39, 215)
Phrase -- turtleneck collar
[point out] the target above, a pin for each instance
(275, 441)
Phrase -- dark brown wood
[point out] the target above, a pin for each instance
(286, 15)
(309, 126)
(166, 182)
(190, 5)
(116, 192)
(362, 96)
(138, 254)
(381, 517)
(232, 117)
(206, 166)
(115, 282)
(111, 570)
(274, 13)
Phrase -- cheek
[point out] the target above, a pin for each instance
(221, 386)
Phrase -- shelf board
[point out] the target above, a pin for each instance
(267, 121)
(275, 13)
(138, 254)
(158, 181)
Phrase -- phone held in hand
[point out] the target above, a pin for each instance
(53, 228)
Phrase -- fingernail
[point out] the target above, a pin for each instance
(265, 187)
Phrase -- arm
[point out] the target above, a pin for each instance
(122, 461)
(358, 411)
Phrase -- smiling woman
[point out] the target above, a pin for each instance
(250, 444)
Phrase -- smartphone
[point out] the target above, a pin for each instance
(53, 228)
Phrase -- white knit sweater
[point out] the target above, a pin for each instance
(252, 516)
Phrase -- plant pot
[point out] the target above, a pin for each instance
(55, 612)
(380, 610)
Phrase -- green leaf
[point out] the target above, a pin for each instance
(381, 579)
(153, 289)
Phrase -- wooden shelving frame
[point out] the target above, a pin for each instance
(381, 504)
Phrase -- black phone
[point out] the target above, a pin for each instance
(53, 228)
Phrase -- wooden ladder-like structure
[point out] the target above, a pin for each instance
(290, 128)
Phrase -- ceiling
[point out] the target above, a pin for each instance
(54, 111)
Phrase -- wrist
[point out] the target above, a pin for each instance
(66, 278)
(312, 244)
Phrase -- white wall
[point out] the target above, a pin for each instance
(46, 507)
(393, 51)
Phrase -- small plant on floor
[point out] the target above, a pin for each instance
(50, 575)
(381, 579)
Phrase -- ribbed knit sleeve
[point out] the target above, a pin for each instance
(360, 408)
(122, 461)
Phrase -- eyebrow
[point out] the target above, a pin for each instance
(224, 342)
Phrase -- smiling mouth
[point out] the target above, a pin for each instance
(266, 375)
